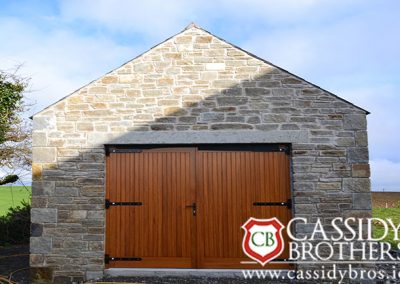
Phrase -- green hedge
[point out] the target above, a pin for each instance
(15, 226)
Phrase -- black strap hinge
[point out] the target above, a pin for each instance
(108, 258)
(287, 203)
(280, 260)
(109, 203)
(285, 149)
(122, 150)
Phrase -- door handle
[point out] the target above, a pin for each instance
(194, 208)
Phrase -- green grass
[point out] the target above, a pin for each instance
(8, 194)
(386, 213)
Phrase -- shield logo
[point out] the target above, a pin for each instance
(263, 239)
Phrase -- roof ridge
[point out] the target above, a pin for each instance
(192, 25)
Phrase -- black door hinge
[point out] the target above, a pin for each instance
(287, 203)
(109, 203)
(285, 149)
(108, 258)
(122, 150)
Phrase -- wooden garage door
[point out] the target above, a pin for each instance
(229, 183)
(162, 229)
(157, 231)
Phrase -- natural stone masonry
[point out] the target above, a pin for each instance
(192, 88)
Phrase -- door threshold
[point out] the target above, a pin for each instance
(171, 272)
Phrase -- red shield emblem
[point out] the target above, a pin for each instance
(263, 239)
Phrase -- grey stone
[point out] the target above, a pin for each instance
(166, 120)
(231, 101)
(66, 191)
(228, 126)
(257, 92)
(78, 214)
(305, 208)
(171, 137)
(355, 122)
(224, 83)
(358, 155)
(94, 274)
(361, 138)
(234, 118)
(345, 142)
(291, 80)
(39, 139)
(43, 123)
(267, 127)
(40, 245)
(45, 188)
(357, 184)
(188, 119)
(36, 230)
(232, 92)
(253, 120)
(161, 127)
(43, 215)
(95, 214)
(212, 116)
(362, 201)
(274, 118)
(290, 126)
(269, 84)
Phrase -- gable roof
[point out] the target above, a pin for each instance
(193, 25)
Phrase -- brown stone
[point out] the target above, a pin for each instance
(183, 39)
(168, 102)
(224, 83)
(133, 93)
(173, 55)
(97, 90)
(152, 93)
(165, 82)
(109, 79)
(41, 274)
(291, 81)
(361, 170)
(76, 99)
(84, 126)
(65, 126)
(36, 171)
(99, 105)
(175, 111)
(203, 39)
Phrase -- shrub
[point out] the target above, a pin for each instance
(15, 226)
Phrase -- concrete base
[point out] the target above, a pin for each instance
(150, 272)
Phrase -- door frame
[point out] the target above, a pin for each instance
(251, 147)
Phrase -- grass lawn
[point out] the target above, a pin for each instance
(386, 213)
(11, 196)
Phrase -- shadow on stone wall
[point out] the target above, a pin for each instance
(329, 135)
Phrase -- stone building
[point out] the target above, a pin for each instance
(145, 126)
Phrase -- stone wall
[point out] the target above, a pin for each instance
(192, 88)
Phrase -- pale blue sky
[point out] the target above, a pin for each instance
(351, 48)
